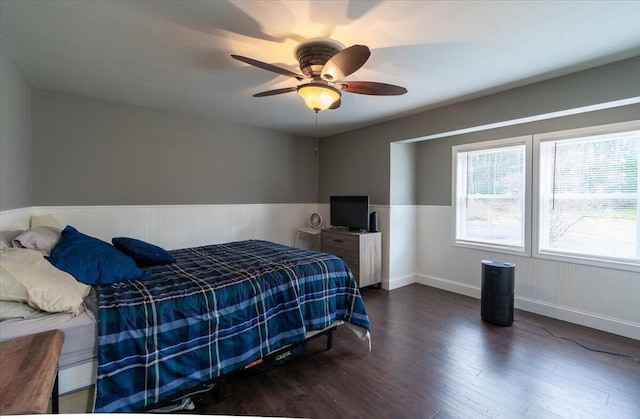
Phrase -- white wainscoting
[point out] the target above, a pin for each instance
(416, 247)
(15, 219)
(601, 298)
(402, 237)
(179, 226)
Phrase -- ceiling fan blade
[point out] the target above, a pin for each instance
(268, 67)
(276, 92)
(345, 62)
(371, 88)
(336, 104)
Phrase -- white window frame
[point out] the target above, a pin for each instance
(525, 250)
(536, 224)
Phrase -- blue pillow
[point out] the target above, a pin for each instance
(91, 260)
(145, 254)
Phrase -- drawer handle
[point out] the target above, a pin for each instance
(339, 241)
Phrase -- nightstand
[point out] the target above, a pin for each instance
(309, 231)
(29, 373)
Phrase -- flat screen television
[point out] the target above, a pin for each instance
(351, 212)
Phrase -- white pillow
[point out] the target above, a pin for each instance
(6, 238)
(38, 238)
(16, 310)
(25, 276)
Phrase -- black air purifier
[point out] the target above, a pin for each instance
(497, 292)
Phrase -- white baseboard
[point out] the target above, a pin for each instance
(594, 321)
(447, 285)
(391, 284)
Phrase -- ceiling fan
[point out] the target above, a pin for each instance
(324, 66)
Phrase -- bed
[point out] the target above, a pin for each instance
(210, 312)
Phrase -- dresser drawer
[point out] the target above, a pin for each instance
(348, 256)
(340, 240)
(340, 250)
(343, 245)
(354, 267)
(360, 251)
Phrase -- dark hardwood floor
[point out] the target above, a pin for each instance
(433, 356)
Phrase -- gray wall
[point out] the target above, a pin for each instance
(358, 161)
(93, 152)
(355, 164)
(15, 135)
(434, 156)
(404, 173)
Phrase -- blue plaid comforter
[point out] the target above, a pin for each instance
(214, 311)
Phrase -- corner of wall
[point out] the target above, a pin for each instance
(15, 133)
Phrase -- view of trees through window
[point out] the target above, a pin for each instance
(589, 195)
(492, 195)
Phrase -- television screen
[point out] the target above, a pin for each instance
(350, 211)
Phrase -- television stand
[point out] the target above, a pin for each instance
(361, 251)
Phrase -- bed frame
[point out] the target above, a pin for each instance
(218, 385)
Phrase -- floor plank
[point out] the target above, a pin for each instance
(433, 356)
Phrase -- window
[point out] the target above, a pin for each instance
(491, 194)
(588, 194)
(571, 196)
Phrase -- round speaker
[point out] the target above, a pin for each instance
(315, 220)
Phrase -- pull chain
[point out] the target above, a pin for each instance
(316, 124)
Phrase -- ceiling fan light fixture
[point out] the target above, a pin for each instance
(318, 96)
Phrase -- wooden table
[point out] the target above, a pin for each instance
(29, 373)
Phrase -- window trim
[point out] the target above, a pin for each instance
(525, 140)
(569, 257)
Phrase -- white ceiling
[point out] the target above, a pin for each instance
(175, 55)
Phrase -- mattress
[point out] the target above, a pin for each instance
(80, 334)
